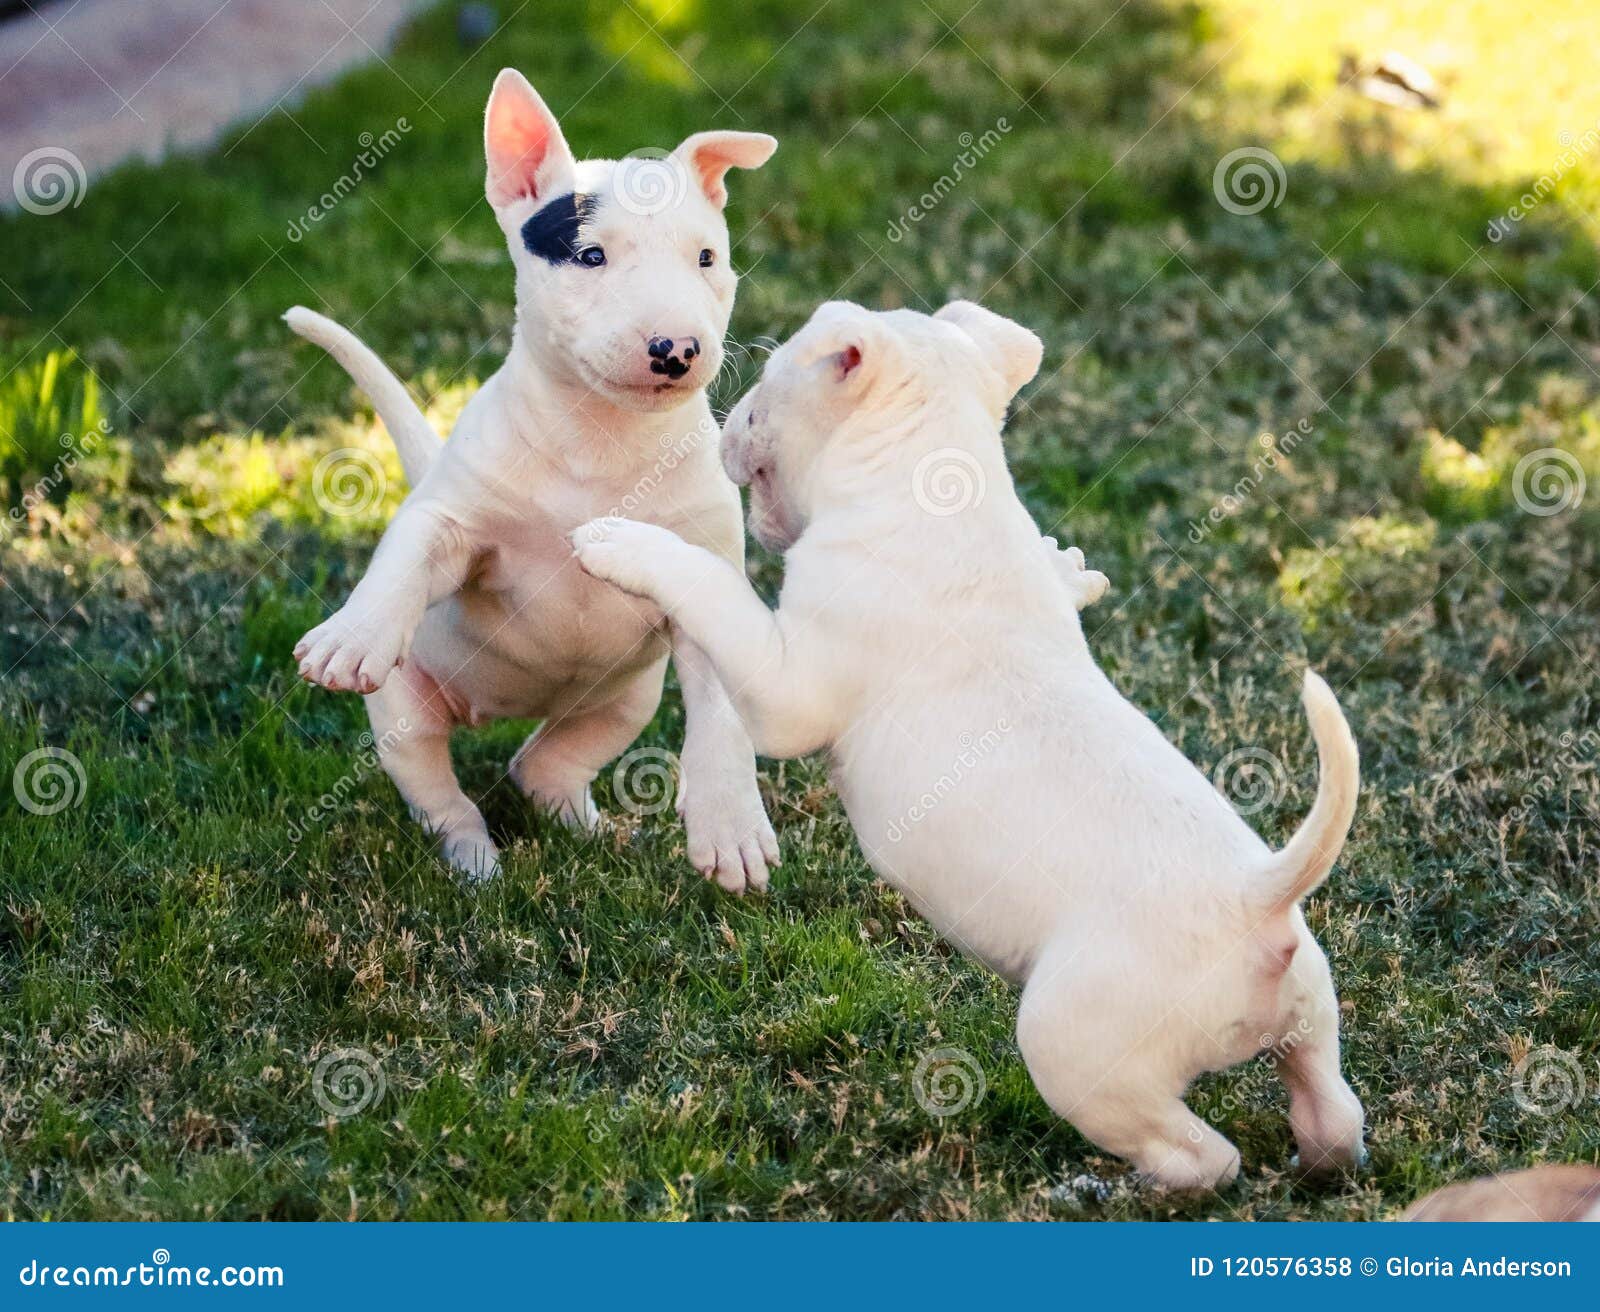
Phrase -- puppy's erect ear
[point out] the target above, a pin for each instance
(527, 156)
(1011, 350)
(849, 341)
(709, 155)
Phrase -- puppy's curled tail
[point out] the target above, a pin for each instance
(413, 435)
(1306, 859)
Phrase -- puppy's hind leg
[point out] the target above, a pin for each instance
(556, 764)
(411, 733)
(1324, 1112)
(1099, 1061)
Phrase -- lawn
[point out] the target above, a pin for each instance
(1347, 428)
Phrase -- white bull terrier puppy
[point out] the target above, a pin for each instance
(990, 770)
(473, 608)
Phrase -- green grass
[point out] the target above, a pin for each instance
(599, 1034)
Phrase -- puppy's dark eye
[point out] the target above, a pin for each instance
(707, 259)
(593, 256)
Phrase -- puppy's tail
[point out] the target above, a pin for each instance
(409, 428)
(1306, 859)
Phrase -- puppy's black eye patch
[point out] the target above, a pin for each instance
(552, 233)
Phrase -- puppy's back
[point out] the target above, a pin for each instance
(1545, 1193)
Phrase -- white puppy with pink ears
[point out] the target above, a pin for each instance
(472, 608)
(990, 770)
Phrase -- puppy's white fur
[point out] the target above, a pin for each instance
(989, 768)
(473, 608)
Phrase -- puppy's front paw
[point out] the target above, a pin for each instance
(727, 831)
(623, 552)
(351, 652)
(1087, 585)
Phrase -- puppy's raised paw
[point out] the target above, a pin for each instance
(350, 653)
(623, 552)
(1087, 585)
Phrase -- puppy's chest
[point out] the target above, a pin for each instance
(544, 605)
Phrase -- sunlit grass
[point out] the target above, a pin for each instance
(1517, 84)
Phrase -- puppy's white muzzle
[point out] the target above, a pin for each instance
(749, 458)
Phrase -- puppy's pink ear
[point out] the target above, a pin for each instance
(709, 155)
(527, 156)
(848, 341)
(1008, 348)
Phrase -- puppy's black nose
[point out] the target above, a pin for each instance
(674, 359)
